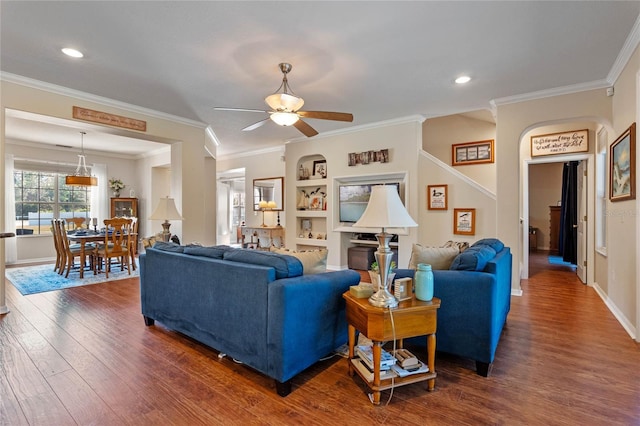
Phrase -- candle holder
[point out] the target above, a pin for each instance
(94, 221)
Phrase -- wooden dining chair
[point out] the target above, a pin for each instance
(116, 244)
(60, 259)
(77, 222)
(70, 252)
(133, 242)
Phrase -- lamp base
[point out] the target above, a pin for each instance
(383, 299)
(166, 234)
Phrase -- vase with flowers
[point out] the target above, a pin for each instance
(116, 186)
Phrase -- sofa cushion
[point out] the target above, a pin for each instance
(494, 243)
(168, 246)
(215, 252)
(437, 257)
(284, 265)
(474, 258)
(313, 261)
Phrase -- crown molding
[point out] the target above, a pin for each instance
(629, 47)
(278, 148)
(65, 91)
(386, 123)
(459, 175)
(547, 93)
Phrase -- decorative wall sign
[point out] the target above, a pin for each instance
(366, 157)
(437, 197)
(464, 221)
(472, 153)
(622, 166)
(110, 119)
(560, 143)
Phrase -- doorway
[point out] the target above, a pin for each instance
(231, 206)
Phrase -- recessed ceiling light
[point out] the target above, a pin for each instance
(463, 79)
(72, 52)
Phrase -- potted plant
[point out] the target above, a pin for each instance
(116, 186)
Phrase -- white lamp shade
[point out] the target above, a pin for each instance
(284, 118)
(385, 210)
(284, 102)
(166, 210)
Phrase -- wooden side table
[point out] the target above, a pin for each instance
(411, 318)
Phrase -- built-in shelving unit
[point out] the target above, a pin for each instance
(311, 202)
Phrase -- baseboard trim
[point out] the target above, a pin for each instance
(626, 324)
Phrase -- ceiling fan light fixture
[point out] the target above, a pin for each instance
(284, 102)
(284, 118)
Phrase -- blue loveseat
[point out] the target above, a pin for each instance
(254, 306)
(476, 298)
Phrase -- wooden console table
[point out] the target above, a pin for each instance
(411, 318)
(264, 232)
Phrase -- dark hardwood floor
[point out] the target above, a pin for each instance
(84, 356)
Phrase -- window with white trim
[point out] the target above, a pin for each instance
(41, 196)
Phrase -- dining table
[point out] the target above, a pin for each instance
(88, 236)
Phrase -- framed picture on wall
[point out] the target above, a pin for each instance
(622, 166)
(464, 221)
(437, 197)
(472, 153)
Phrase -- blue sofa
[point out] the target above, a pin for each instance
(254, 306)
(475, 301)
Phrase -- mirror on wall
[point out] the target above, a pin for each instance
(268, 194)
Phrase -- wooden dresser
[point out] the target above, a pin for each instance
(554, 228)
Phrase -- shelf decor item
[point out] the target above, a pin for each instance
(622, 166)
(116, 186)
(384, 210)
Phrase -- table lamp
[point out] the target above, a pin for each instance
(384, 210)
(263, 205)
(166, 210)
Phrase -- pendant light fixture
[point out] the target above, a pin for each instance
(81, 177)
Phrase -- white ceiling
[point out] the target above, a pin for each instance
(377, 60)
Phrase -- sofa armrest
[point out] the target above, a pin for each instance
(306, 320)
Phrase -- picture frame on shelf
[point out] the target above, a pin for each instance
(437, 197)
(315, 202)
(320, 169)
(464, 221)
(622, 166)
(472, 153)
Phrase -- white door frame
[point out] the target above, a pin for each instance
(589, 229)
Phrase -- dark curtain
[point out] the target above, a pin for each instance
(569, 213)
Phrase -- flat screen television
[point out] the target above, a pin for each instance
(353, 199)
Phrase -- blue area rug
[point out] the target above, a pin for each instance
(557, 260)
(41, 278)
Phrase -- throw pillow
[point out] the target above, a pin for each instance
(474, 258)
(437, 257)
(313, 261)
(148, 242)
(460, 245)
(494, 243)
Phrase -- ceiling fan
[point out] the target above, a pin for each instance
(285, 109)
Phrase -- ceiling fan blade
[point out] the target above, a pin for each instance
(327, 115)
(255, 125)
(239, 109)
(306, 130)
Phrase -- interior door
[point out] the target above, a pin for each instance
(581, 249)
